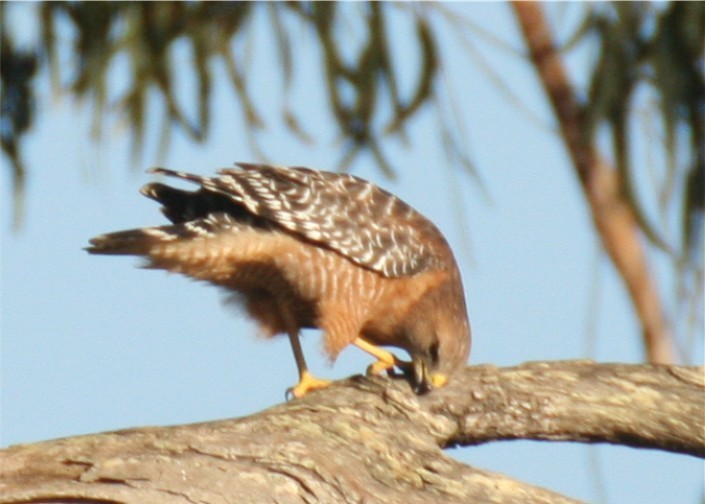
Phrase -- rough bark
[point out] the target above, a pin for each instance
(614, 218)
(370, 440)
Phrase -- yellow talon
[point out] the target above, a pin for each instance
(377, 367)
(307, 383)
(386, 361)
(381, 365)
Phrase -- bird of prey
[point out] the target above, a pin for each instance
(303, 248)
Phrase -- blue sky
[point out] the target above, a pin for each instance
(93, 343)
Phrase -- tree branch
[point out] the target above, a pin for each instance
(613, 216)
(370, 439)
(643, 406)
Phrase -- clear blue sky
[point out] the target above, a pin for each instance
(93, 343)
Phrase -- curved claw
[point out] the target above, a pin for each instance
(386, 361)
(377, 367)
(307, 383)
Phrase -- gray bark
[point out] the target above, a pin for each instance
(370, 440)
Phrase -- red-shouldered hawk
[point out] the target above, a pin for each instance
(312, 249)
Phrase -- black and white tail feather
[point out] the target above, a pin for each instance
(141, 241)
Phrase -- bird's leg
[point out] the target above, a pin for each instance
(386, 361)
(307, 381)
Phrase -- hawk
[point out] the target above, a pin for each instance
(303, 248)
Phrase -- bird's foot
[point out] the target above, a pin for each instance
(388, 365)
(307, 383)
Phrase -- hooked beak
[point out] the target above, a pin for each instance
(424, 380)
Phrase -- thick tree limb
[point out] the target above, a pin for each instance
(370, 440)
(647, 406)
(614, 218)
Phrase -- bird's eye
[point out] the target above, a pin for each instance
(433, 352)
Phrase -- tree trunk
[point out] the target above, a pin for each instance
(370, 440)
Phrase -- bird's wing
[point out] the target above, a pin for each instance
(355, 218)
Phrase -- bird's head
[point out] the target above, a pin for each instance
(440, 344)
